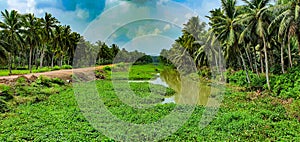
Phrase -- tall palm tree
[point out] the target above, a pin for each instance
(256, 20)
(287, 12)
(66, 42)
(227, 30)
(3, 48)
(49, 23)
(32, 31)
(11, 26)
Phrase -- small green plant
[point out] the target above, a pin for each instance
(107, 68)
(55, 68)
(66, 67)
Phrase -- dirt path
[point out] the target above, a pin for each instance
(62, 74)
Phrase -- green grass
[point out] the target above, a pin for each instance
(44, 69)
(136, 72)
(60, 119)
(243, 116)
(6, 72)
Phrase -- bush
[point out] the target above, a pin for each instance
(55, 68)
(286, 85)
(44, 81)
(58, 81)
(43, 69)
(107, 68)
(66, 67)
(239, 78)
(3, 106)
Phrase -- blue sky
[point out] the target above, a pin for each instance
(79, 13)
(125, 22)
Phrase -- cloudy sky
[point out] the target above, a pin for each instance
(79, 13)
(119, 21)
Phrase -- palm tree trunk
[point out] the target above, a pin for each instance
(249, 59)
(42, 57)
(261, 63)
(298, 40)
(244, 65)
(281, 56)
(266, 62)
(255, 62)
(52, 60)
(61, 60)
(10, 63)
(30, 58)
(290, 55)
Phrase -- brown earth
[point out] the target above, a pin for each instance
(62, 74)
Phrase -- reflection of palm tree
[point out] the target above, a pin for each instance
(186, 91)
(172, 78)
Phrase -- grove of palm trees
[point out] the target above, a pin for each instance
(246, 57)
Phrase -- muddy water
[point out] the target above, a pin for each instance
(187, 92)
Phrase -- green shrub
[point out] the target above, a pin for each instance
(44, 69)
(55, 68)
(107, 68)
(239, 78)
(58, 81)
(286, 85)
(66, 67)
(3, 106)
(21, 80)
(43, 81)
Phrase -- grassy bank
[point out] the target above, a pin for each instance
(44, 69)
(243, 116)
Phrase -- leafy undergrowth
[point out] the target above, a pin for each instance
(242, 116)
(26, 91)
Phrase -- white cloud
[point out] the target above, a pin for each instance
(157, 31)
(27, 6)
(82, 14)
(167, 27)
(159, 2)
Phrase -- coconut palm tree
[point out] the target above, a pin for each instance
(256, 20)
(287, 14)
(49, 23)
(32, 31)
(227, 30)
(11, 26)
(3, 48)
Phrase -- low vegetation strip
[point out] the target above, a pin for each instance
(52, 113)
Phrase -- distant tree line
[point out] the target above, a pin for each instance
(27, 41)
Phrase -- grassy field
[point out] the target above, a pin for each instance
(243, 116)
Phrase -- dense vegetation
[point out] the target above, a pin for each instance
(253, 37)
(242, 116)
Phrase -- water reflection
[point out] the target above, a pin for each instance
(187, 92)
